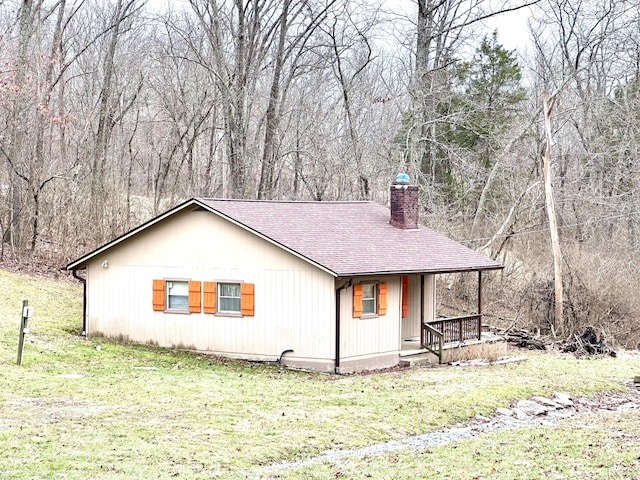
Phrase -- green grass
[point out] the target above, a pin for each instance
(598, 446)
(143, 412)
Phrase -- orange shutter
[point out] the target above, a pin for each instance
(195, 296)
(382, 298)
(158, 295)
(357, 301)
(210, 298)
(246, 298)
(405, 296)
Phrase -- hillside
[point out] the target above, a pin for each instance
(114, 111)
(90, 408)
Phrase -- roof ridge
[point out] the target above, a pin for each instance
(249, 200)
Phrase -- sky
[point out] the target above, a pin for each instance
(513, 32)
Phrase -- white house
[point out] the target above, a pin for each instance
(328, 286)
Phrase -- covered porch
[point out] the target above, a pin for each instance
(443, 339)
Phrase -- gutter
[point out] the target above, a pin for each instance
(337, 354)
(84, 301)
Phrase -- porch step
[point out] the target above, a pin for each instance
(419, 360)
(490, 347)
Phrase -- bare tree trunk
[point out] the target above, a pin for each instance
(346, 81)
(423, 58)
(18, 122)
(208, 187)
(558, 326)
(234, 73)
(106, 110)
(36, 183)
(505, 152)
(265, 190)
(297, 165)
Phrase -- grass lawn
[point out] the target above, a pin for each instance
(97, 409)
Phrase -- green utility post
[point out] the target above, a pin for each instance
(27, 313)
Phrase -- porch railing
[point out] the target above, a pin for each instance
(452, 329)
(433, 340)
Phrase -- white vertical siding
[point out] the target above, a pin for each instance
(411, 324)
(294, 301)
(429, 297)
(374, 335)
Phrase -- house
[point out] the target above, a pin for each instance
(328, 286)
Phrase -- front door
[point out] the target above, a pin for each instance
(417, 305)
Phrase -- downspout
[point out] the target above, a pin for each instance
(284, 352)
(337, 355)
(84, 301)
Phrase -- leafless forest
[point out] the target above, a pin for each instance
(112, 111)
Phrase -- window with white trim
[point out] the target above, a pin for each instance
(229, 297)
(177, 295)
(369, 299)
(194, 296)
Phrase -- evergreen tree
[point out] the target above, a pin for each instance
(491, 101)
(485, 105)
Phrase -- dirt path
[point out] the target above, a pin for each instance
(537, 411)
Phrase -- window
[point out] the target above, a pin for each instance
(229, 297)
(369, 299)
(178, 295)
(194, 296)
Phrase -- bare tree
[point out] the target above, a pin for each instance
(14, 153)
(298, 23)
(548, 104)
(347, 71)
(239, 36)
(109, 113)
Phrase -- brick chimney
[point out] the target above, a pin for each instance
(404, 203)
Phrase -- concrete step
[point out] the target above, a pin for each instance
(489, 348)
(421, 359)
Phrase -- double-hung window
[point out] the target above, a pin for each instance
(178, 295)
(229, 297)
(369, 299)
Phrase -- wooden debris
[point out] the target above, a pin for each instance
(522, 339)
(586, 343)
(589, 344)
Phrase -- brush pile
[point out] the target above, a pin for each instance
(589, 344)
(586, 344)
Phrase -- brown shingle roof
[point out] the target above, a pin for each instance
(350, 238)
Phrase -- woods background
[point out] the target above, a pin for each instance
(113, 111)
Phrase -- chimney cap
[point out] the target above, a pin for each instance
(402, 179)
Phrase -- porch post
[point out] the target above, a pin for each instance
(479, 292)
(479, 304)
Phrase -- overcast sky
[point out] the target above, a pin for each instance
(513, 32)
